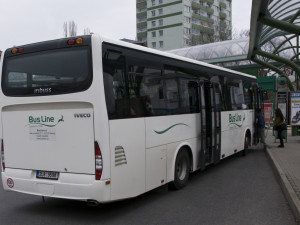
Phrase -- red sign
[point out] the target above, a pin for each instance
(268, 112)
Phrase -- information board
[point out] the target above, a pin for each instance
(295, 108)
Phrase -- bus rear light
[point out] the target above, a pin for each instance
(14, 51)
(71, 42)
(79, 41)
(2, 156)
(98, 162)
(17, 50)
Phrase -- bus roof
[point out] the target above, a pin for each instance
(171, 55)
(155, 52)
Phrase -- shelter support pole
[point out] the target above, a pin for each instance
(277, 70)
(287, 62)
(279, 24)
(297, 60)
(268, 65)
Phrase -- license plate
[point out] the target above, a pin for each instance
(47, 175)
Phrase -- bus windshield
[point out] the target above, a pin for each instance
(48, 72)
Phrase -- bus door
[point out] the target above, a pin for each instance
(211, 123)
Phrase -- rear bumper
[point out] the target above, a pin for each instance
(69, 186)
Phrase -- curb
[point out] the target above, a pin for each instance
(285, 185)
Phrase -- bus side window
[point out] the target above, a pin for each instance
(114, 85)
(189, 96)
(248, 94)
(152, 92)
(219, 97)
(143, 86)
(171, 95)
(226, 97)
(181, 90)
(236, 94)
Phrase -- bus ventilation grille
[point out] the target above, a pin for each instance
(120, 157)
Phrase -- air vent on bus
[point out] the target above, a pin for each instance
(120, 157)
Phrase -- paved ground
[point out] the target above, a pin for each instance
(236, 191)
(286, 164)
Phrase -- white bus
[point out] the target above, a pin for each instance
(98, 120)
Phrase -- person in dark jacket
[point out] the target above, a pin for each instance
(279, 119)
(260, 124)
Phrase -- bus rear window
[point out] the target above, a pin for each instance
(49, 72)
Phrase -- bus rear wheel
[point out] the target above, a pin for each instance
(182, 169)
(247, 143)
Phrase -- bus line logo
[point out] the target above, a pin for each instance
(48, 121)
(236, 119)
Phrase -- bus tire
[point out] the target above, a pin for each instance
(247, 143)
(181, 170)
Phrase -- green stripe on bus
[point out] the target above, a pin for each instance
(164, 131)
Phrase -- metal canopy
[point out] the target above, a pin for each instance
(218, 52)
(275, 23)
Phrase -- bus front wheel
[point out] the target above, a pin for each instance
(182, 169)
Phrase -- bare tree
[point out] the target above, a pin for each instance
(69, 29)
(72, 28)
(86, 31)
(65, 29)
(236, 34)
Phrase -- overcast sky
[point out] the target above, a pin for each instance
(28, 21)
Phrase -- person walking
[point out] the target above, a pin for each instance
(279, 119)
(260, 124)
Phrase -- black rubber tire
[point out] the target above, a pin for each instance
(181, 170)
(246, 145)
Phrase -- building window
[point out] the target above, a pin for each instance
(161, 22)
(153, 12)
(187, 8)
(153, 34)
(153, 23)
(160, 1)
(186, 41)
(187, 30)
(161, 33)
(187, 19)
(153, 2)
(161, 44)
(153, 44)
(160, 11)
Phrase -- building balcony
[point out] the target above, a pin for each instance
(206, 40)
(223, 5)
(197, 6)
(203, 29)
(222, 24)
(224, 36)
(197, 37)
(207, 30)
(142, 34)
(141, 4)
(196, 26)
(203, 18)
(141, 15)
(210, 1)
(141, 25)
(223, 15)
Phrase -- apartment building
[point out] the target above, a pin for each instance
(173, 24)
